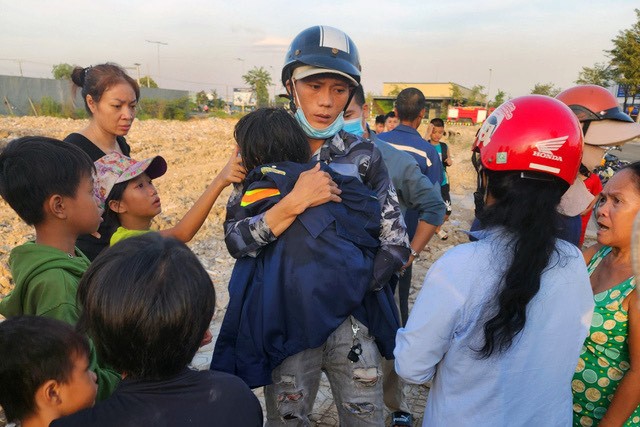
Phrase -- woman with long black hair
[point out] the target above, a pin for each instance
(499, 322)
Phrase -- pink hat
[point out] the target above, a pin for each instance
(115, 168)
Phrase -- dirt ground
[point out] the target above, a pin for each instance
(195, 151)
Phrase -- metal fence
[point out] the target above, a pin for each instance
(20, 96)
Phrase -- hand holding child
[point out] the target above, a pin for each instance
(316, 187)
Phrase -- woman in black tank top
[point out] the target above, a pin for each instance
(110, 97)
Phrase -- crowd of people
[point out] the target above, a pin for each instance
(325, 218)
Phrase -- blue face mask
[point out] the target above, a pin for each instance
(316, 133)
(354, 126)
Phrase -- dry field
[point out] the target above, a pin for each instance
(195, 151)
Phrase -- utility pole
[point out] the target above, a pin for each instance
(158, 43)
(242, 101)
(19, 61)
(137, 64)
(488, 91)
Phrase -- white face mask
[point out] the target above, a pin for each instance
(311, 131)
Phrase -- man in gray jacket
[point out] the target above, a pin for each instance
(416, 192)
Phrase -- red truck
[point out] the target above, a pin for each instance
(468, 115)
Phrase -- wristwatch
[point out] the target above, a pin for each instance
(414, 254)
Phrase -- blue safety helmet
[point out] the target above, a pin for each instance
(324, 47)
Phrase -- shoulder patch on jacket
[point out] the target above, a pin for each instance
(252, 196)
(266, 169)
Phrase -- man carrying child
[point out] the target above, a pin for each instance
(321, 69)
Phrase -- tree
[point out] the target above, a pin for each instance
(368, 99)
(499, 99)
(147, 81)
(548, 89)
(477, 96)
(625, 61)
(217, 102)
(259, 79)
(600, 74)
(395, 91)
(456, 94)
(201, 98)
(62, 71)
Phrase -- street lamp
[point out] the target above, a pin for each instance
(241, 60)
(158, 43)
(488, 91)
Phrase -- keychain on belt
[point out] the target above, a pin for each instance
(356, 348)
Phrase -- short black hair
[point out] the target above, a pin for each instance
(358, 95)
(34, 350)
(437, 122)
(270, 135)
(390, 114)
(146, 304)
(33, 168)
(410, 103)
(380, 118)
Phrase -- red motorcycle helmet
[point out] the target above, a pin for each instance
(603, 121)
(592, 102)
(531, 133)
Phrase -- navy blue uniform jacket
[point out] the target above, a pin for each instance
(301, 287)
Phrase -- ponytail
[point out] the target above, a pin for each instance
(526, 208)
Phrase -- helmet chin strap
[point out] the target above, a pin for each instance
(480, 195)
(485, 179)
(292, 95)
(352, 91)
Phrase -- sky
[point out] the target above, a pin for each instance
(210, 44)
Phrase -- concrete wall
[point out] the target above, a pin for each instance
(17, 94)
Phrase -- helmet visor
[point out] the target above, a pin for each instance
(586, 115)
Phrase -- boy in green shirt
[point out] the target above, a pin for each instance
(49, 184)
(435, 132)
